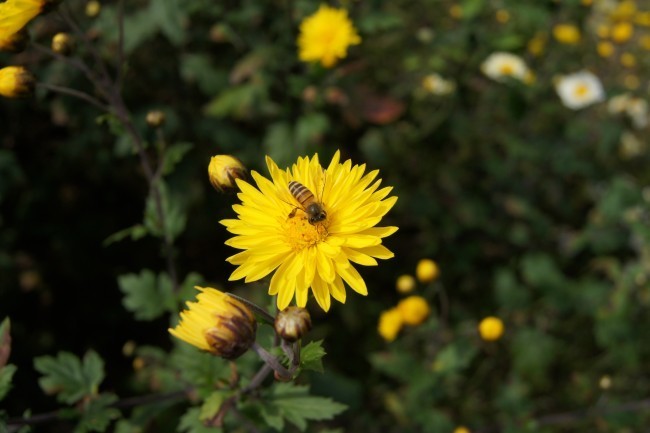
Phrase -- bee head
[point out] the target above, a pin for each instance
(315, 213)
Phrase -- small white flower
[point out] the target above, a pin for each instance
(618, 104)
(579, 90)
(499, 66)
(435, 84)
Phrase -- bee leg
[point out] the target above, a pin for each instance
(293, 213)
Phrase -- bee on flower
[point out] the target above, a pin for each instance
(326, 35)
(501, 66)
(305, 249)
(579, 90)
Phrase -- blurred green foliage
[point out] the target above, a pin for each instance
(535, 213)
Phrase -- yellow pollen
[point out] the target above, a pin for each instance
(581, 90)
(300, 234)
(507, 69)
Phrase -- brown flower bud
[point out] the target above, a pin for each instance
(223, 170)
(63, 43)
(16, 82)
(15, 42)
(292, 323)
(217, 323)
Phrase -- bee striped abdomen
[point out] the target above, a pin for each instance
(301, 193)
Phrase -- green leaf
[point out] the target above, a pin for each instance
(146, 295)
(455, 357)
(6, 374)
(533, 353)
(169, 17)
(310, 129)
(311, 356)
(236, 101)
(136, 232)
(201, 369)
(212, 404)
(68, 377)
(173, 155)
(187, 291)
(190, 423)
(295, 405)
(98, 414)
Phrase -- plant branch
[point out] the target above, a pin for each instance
(76, 93)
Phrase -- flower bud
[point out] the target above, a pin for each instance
(217, 323)
(414, 310)
(156, 118)
(427, 270)
(93, 8)
(16, 82)
(63, 43)
(390, 323)
(15, 42)
(405, 284)
(292, 323)
(491, 328)
(223, 170)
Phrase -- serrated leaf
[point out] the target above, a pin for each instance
(199, 368)
(135, 232)
(190, 423)
(146, 295)
(98, 414)
(69, 378)
(187, 291)
(6, 374)
(295, 405)
(311, 356)
(173, 155)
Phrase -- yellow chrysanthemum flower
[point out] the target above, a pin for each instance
(217, 323)
(15, 14)
(275, 233)
(326, 35)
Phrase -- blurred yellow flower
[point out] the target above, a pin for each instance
(462, 429)
(500, 66)
(223, 170)
(326, 35)
(456, 11)
(491, 328)
(579, 90)
(605, 49)
(603, 31)
(537, 44)
(625, 10)
(414, 310)
(276, 234)
(93, 8)
(15, 14)
(586, 2)
(622, 32)
(628, 60)
(390, 323)
(502, 16)
(427, 270)
(642, 19)
(405, 284)
(566, 34)
(217, 323)
(16, 82)
(435, 84)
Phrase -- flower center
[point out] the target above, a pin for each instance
(581, 90)
(507, 69)
(301, 234)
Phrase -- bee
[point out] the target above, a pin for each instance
(312, 207)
